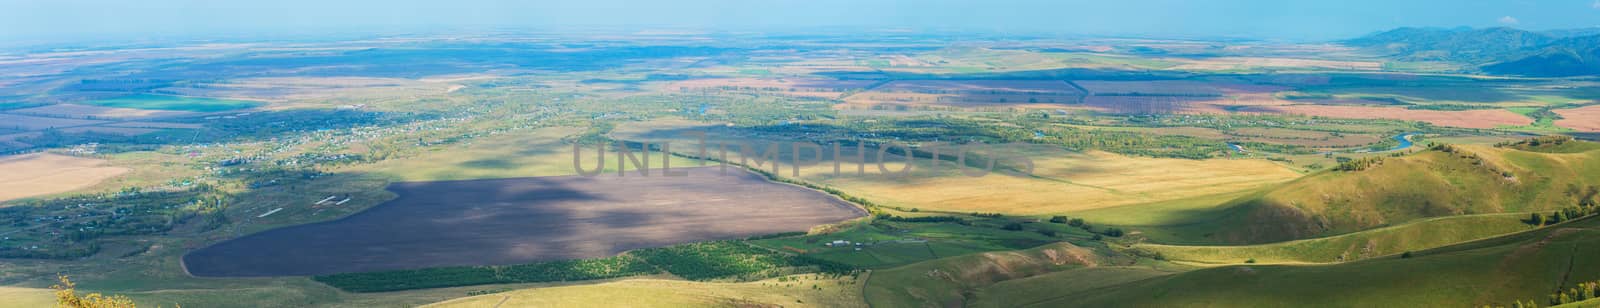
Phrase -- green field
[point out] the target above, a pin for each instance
(174, 103)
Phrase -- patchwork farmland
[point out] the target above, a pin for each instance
(969, 93)
(796, 87)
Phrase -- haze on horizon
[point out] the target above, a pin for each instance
(57, 21)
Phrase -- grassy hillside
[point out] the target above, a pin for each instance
(950, 281)
(1576, 56)
(1500, 50)
(1470, 45)
(1021, 292)
(1495, 271)
(1419, 235)
(1448, 181)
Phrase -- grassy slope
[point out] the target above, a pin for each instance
(1419, 235)
(949, 281)
(1496, 271)
(26, 297)
(901, 243)
(1593, 302)
(1014, 293)
(1428, 184)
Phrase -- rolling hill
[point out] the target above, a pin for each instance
(1455, 44)
(1442, 181)
(1575, 56)
(1500, 50)
(1518, 267)
(950, 282)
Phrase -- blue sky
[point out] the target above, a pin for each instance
(1275, 19)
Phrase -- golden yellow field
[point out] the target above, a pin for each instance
(43, 174)
(1062, 182)
(797, 291)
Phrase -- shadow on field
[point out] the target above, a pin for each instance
(520, 220)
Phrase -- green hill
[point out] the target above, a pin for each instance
(1444, 181)
(1498, 50)
(1521, 266)
(1575, 56)
(1419, 235)
(1457, 44)
(951, 281)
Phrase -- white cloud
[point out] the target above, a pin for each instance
(1596, 4)
(1509, 20)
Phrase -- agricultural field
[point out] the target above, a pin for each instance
(314, 90)
(1062, 182)
(794, 291)
(173, 103)
(1250, 63)
(1490, 118)
(541, 152)
(1149, 88)
(972, 93)
(1586, 119)
(796, 87)
(98, 112)
(44, 174)
(19, 122)
(507, 221)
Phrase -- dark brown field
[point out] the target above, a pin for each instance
(510, 221)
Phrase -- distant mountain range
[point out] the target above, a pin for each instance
(1504, 51)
